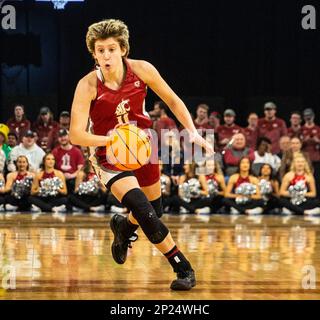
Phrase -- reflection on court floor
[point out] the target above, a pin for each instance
(235, 257)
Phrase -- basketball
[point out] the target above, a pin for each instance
(129, 147)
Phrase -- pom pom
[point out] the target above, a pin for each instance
(245, 190)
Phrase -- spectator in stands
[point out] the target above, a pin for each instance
(225, 132)
(214, 120)
(50, 198)
(4, 130)
(19, 124)
(27, 148)
(284, 144)
(263, 155)
(12, 139)
(286, 161)
(299, 173)
(238, 202)
(64, 120)
(251, 131)
(164, 122)
(269, 188)
(295, 129)
(201, 120)
(84, 198)
(234, 154)
(46, 129)
(311, 143)
(155, 113)
(69, 159)
(272, 127)
(17, 196)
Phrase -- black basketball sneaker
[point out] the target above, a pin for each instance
(185, 281)
(120, 242)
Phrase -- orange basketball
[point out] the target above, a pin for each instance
(129, 147)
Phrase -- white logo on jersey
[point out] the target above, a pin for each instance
(65, 166)
(137, 84)
(122, 111)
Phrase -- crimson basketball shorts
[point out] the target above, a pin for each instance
(147, 175)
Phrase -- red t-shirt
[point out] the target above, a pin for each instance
(19, 127)
(273, 130)
(309, 145)
(295, 133)
(68, 160)
(224, 132)
(46, 134)
(251, 137)
(204, 125)
(164, 123)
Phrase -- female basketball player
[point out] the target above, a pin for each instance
(112, 94)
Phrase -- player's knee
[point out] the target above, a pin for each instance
(157, 206)
(142, 210)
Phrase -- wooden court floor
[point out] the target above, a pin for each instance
(235, 257)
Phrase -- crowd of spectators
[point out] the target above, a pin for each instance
(263, 155)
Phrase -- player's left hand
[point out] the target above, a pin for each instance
(196, 138)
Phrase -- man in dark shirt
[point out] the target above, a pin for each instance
(225, 132)
(251, 131)
(295, 129)
(19, 124)
(235, 153)
(69, 159)
(46, 129)
(272, 127)
(164, 122)
(201, 121)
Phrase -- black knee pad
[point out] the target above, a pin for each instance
(142, 210)
(157, 206)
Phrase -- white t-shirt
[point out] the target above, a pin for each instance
(34, 154)
(273, 160)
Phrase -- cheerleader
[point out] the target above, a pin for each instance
(88, 194)
(269, 188)
(48, 191)
(242, 193)
(193, 190)
(216, 187)
(18, 186)
(298, 190)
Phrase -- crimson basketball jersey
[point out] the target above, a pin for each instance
(112, 107)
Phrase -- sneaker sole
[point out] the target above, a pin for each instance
(113, 246)
(176, 286)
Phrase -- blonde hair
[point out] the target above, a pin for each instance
(105, 29)
(298, 155)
